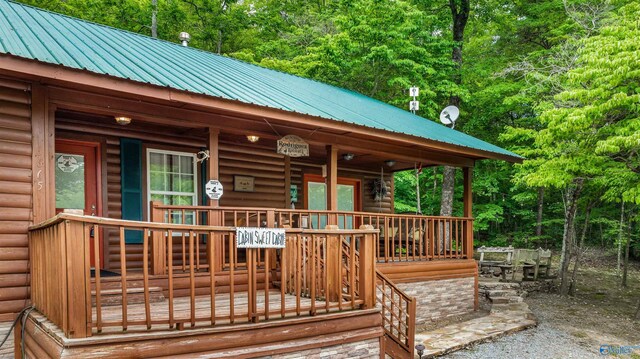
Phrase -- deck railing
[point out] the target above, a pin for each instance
(398, 313)
(308, 277)
(403, 237)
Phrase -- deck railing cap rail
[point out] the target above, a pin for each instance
(289, 210)
(179, 227)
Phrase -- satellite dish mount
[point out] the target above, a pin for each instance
(449, 115)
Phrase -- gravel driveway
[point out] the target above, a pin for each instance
(543, 341)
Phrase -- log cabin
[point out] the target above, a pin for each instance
(111, 144)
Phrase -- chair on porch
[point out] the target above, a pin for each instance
(386, 238)
(416, 235)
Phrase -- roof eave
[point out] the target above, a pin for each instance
(37, 70)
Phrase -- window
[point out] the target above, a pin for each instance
(172, 180)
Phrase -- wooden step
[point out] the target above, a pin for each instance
(113, 296)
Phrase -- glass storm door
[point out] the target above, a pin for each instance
(77, 183)
(348, 195)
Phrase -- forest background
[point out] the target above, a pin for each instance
(557, 81)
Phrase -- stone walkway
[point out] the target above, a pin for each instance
(509, 314)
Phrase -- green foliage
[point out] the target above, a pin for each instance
(556, 81)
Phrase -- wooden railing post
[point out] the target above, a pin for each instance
(271, 223)
(215, 219)
(367, 272)
(158, 245)
(334, 264)
(78, 277)
(467, 173)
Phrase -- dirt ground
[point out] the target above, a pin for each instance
(602, 310)
(600, 313)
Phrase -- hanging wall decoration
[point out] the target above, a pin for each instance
(378, 189)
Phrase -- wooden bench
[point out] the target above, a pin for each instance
(488, 265)
(532, 261)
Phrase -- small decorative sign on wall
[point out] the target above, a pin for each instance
(214, 189)
(243, 183)
(294, 193)
(293, 146)
(253, 237)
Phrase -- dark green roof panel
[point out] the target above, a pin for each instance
(41, 35)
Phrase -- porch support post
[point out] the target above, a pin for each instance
(467, 173)
(158, 243)
(287, 182)
(334, 264)
(214, 219)
(367, 272)
(43, 139)
(213, 168)
(332, 183)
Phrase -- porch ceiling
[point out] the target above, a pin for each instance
(50, 38)
(368, 155)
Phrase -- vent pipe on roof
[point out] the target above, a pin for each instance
(185, 37)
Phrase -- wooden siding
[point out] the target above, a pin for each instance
(15, 195)
(265, 165)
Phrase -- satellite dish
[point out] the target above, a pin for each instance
(449, 115)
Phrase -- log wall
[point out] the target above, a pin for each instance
(265, 165)
(15, 195)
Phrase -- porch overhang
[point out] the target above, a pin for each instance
(104, 94)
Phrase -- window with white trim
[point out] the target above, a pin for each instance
(172, 179)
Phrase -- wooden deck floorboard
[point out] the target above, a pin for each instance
(182, 310)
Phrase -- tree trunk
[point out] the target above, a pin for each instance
(571, 205)
(539, 218)
(459, 16)
(446, 203)
(626, 260)
(580, 250)
(637, 316)
(620, 237)
(154, 19)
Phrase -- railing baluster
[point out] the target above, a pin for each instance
(145, 276)
(298, 272)
(232, 279)
(284, 254)
(267, 286)
(169, 240)
(325, 273)
(123, 278)
(97, 266)
(352, 271)
(212, 276)
(313, 264)
(192, 281)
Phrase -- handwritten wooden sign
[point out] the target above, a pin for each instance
(252, 237)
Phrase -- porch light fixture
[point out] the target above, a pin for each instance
(253, 138)
(123, 120)
(390, 163)
(348, 156)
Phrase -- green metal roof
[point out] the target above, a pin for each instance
(48, 37)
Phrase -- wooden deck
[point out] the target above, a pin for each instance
(223, 309)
